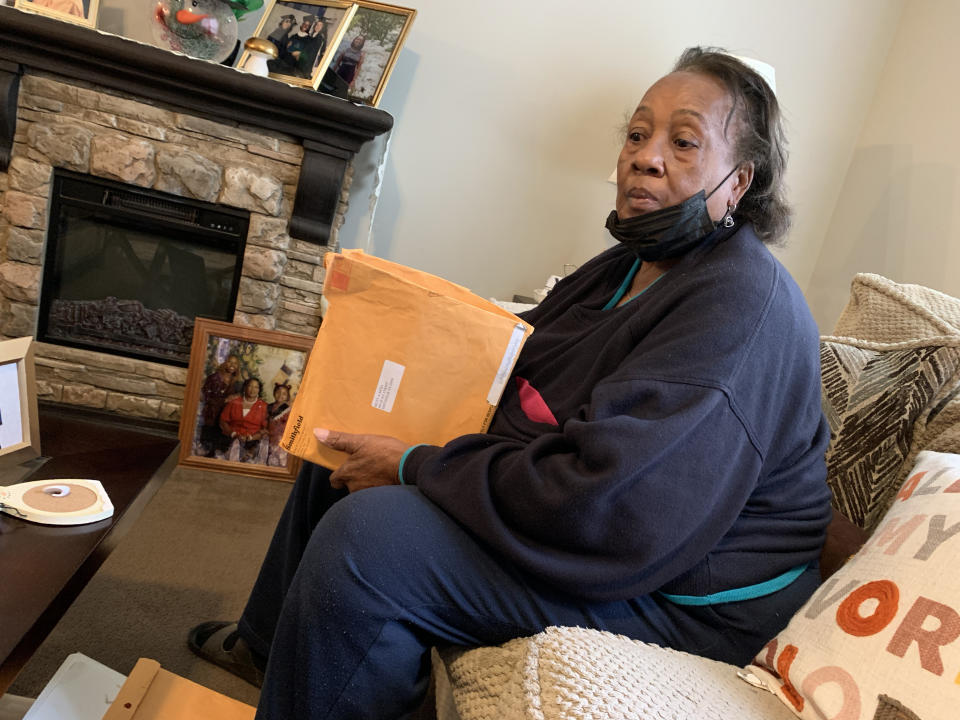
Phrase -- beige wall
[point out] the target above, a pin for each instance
(508, 115)
(896, 213)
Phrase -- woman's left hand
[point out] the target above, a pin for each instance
(372, 460)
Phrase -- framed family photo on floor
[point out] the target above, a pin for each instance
(241, 383)
(305, 34)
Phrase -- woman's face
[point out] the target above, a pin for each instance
(281, 395)
(253, 390)
(677, 145)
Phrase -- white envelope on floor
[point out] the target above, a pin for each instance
(81, 689)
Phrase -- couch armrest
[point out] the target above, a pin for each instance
(573, 673)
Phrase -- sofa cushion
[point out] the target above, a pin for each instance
(891, 379)
(882, 632)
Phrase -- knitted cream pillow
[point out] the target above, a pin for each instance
(891, 386)
(573, 673)
(879, 639)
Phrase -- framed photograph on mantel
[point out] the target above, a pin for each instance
(240, 387)
(305, 34)
(362, 63)
(81, 12)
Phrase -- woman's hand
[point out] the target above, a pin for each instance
(372, 460)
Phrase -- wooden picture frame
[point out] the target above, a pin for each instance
(361, 65)
(19, 420)
(80, 12)
(301, 59)
(215, 434)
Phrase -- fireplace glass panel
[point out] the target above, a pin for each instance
(128, 270)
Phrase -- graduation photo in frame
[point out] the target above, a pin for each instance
(305, 34)
(368, 50)
(240, 387)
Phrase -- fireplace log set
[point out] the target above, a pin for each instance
(122, 324)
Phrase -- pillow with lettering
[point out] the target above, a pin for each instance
(880, 639)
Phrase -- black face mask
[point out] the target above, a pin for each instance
(668, 232)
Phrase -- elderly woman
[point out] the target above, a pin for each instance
(655, 469)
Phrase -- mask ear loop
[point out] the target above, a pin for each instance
(726, 177)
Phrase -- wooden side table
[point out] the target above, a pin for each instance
(43, 568)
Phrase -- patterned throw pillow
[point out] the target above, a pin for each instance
(873, 400)
(891, 387)
(879, 639)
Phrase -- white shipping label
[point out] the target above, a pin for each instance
(506, 364)
(388, 385)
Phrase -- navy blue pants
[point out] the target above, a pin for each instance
(356, 589)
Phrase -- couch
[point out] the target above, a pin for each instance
(878, 640)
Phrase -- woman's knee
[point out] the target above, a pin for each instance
(374, 513)
(366, 536)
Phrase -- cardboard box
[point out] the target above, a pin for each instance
(152, 693)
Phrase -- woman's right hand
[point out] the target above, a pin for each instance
(373, 460)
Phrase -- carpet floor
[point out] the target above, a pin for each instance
(192, 556)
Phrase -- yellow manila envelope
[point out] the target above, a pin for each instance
(402, 353)
(152, 693)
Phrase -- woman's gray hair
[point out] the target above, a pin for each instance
(759, 139)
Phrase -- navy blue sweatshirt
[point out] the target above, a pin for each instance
(680, 442)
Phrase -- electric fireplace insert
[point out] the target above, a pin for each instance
(128, 269)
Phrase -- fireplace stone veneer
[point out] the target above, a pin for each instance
(64, 121)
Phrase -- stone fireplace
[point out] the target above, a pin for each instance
(76, 103)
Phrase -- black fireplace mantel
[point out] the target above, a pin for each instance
(330, 129)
